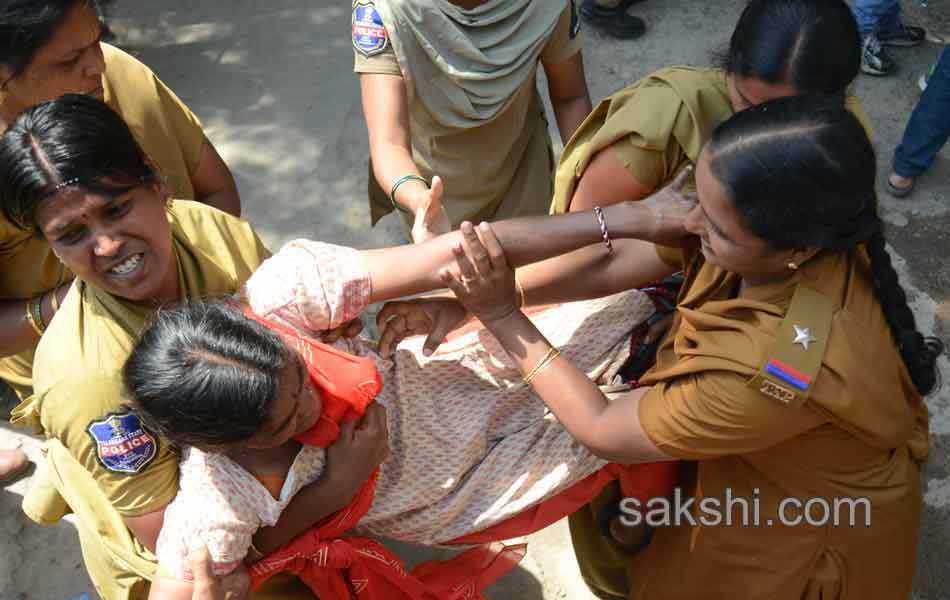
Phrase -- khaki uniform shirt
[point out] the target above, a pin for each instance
(656, 126)
(498, 170)
(858, 431)
(169, 133)
(102, 464)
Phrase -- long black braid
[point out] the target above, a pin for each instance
(801, 172)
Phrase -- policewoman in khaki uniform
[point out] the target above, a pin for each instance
(132, 249)
(449, 89)
(637, 139)
(61, 53)
(792, 376)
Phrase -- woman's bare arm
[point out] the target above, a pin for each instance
(16, 333)
(213, 182)
(407, 270)
(567, 86)
(606, 181)
(386, 109)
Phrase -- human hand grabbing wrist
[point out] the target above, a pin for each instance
(481, 278)
(661, 217)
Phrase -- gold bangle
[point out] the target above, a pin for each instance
(520, 289)
(31, 319)
(543, 364)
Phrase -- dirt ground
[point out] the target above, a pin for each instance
(274, 86)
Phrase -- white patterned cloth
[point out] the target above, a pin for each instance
(471, 445)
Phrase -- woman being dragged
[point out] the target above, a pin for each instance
(241, 385)
(471, 446)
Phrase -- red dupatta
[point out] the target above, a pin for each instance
(340, 567)
(334, 566)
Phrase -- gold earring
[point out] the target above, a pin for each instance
(168, 202)
(792, 265)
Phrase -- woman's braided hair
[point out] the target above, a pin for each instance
(801, 172)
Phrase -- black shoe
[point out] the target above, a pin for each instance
(874, 59)
(902, 36)
(615, 22)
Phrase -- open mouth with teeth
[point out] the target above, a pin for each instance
(127, 266)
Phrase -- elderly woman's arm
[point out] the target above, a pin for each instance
(566, 257)
(407, 270)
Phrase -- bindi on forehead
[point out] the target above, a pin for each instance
(67, 207)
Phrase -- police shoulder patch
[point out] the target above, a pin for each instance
(791, 366)
(369, 35)
(123, 445)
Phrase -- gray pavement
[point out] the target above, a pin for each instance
(274, 86)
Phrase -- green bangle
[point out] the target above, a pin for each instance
(38, 313)
(399, 182)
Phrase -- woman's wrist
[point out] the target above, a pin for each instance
(631, 220)
(506, 322)
(51, 300)
(341, 483)
(409, 195)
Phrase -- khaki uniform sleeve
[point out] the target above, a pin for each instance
(675, 257)
(384, 63)
(716, 414)
(136, 471)
(565, 40)
(184, 124)
(652, 168)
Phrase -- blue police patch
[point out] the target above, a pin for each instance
(122, 444)
(369, 35)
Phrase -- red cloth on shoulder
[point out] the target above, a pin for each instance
(334, 566)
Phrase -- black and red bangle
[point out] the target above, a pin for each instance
(599, 212)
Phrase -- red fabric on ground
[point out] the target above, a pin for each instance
(644, 481)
